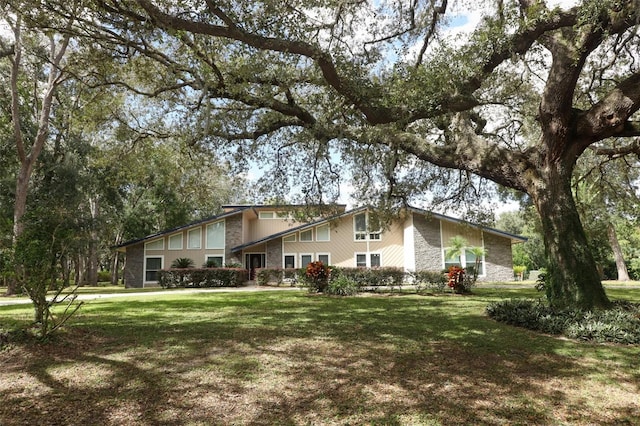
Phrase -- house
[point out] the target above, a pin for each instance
(268, 236)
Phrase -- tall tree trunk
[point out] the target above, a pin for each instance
(623, 273)
(92, 261)
(572, 279)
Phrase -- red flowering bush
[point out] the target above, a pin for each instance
(318, 276)
(456, 279)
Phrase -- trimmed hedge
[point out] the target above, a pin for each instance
(621, 324)
(202, 277)
(435, 281)
(279, 276)
(371, 277)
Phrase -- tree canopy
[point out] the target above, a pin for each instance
(394, 90)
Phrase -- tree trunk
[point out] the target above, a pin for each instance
(623, 274)
(572, 278)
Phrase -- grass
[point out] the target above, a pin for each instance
(292, 358)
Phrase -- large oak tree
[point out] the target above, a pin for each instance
(516, 101)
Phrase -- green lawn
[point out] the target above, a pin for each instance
(292, 358)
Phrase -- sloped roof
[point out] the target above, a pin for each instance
(239, 209)
(297, 228)
(512, 237)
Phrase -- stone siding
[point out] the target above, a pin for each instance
(498, 260)
(274, 253)
(427, 243)
(233, 238)
(134, 266)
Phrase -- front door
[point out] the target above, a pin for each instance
(254, 261)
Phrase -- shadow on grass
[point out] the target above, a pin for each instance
(272, 358)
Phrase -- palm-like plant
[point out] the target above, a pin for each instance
(182, 263)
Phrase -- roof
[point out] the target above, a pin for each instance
(513, 237)
(297, 228)
(239, 209)
(439, 216)
(233, 210)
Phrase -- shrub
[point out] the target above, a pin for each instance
(317, 274)
(104, 276)
(343, 286)
(430, 280)
(621, 324)
(279, 276)
(182, 263)
(372, 277)
(202, 277)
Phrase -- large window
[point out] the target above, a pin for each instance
(214, 261)
(175, 242)
(322, 233)
(324, 258)
(306, 235)
(194, 238)
(151, 267)
(215, 235)
(361, 228)
(466, 259)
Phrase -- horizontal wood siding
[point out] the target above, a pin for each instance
(452, 229)
(342, 246)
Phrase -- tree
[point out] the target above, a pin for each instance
(606, 195)
(517, 101)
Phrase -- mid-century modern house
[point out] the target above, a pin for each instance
(267, 236)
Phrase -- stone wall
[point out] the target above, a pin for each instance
(274, 253)
(428, 253)
(498, 260)
(233, 238)
(134, 266)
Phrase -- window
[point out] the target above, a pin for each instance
(175, 242)
(290, 238)
(214, 261)
(215, 235)
(466, 259)
(451, 261)
(360, 226)
(368, 260)
(322, 233)
(289, 261)
(305, 259)
(361, 231)
(266, 215)
(324, 258)
(194, 238)
(155, 245)
(151, 267)
(306, 235)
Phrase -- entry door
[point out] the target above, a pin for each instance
(254, 261)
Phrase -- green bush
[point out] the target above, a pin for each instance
(434, 281)
(342, 286)
(279, 276)
(182, 263)
(104, 276)
(371, 277)
(202, 277)
(621, 324)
